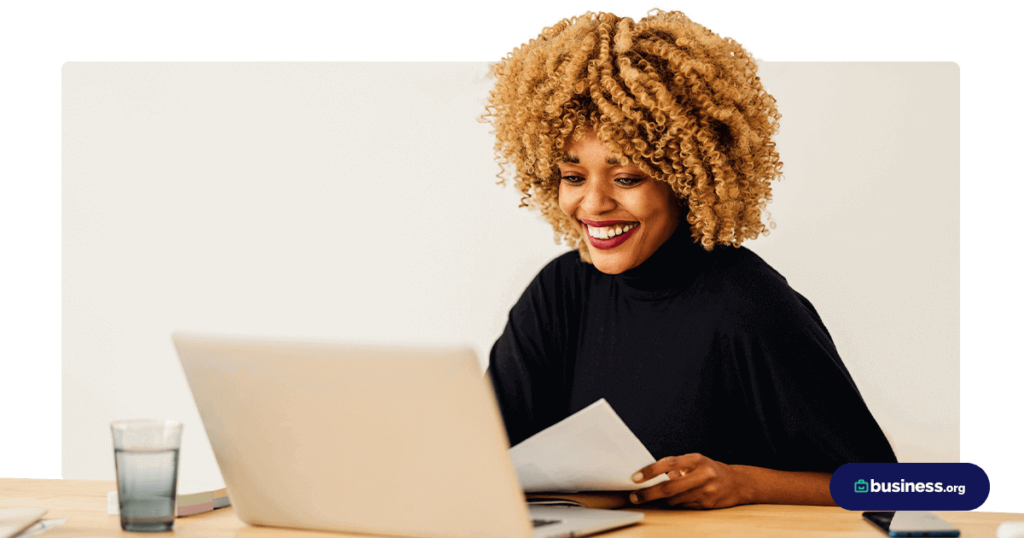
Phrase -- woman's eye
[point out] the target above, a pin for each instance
(621, 181)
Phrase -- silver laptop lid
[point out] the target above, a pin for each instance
(389, 440)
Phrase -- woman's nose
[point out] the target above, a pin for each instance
(596, 199)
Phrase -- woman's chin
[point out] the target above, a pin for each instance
(608, 264)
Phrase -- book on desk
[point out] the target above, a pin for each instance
(602, 500)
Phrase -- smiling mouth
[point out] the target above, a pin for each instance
(610, 231)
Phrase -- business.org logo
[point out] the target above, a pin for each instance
(903, 486)
(909, 486)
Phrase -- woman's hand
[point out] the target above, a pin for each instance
(695, 481)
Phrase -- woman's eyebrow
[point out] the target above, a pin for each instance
(570, 158)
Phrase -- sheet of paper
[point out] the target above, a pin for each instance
(593, 450)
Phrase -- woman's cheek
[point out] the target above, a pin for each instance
(566, 201)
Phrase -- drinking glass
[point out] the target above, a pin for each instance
(146, 459)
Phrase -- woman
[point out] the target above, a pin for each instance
(648, 147)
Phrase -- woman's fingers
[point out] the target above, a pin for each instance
(682, 464)
(694, 479)
(695, 482)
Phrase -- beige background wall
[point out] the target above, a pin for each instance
(356, 202)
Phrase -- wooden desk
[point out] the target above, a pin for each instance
(84, 504)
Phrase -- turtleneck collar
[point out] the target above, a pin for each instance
(671, 268)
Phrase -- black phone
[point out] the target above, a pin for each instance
(907, 523)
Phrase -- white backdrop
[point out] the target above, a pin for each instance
(357, 202)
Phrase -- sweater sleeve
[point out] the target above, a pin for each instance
(530, 364)
(810, 412)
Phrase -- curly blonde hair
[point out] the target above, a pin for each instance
(665, 94)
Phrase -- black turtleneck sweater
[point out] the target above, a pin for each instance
(707, 352)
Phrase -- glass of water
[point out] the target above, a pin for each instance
(146, 459)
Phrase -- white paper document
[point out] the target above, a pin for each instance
(593, 450)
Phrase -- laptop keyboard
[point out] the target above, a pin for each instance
(542, 522)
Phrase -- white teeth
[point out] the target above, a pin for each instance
(610, 231)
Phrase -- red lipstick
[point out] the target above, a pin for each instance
(605, 244)
(600, 223)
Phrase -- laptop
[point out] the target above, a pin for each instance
(366, 439)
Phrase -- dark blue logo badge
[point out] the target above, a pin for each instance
(909, 486)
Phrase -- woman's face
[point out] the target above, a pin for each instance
(623, 214)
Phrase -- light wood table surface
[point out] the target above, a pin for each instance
(84, 504)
